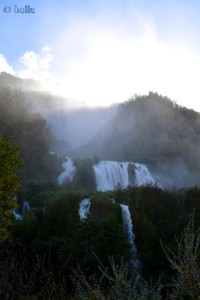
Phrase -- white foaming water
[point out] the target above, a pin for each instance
(142, 175)
(110, 174)
(128, 227)
(18, 217)
(69, 172)
(84, 208)
(26, 208)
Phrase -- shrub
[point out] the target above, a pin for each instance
(186, 263)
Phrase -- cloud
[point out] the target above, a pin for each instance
(4, 66)
(99, 56)
(110, 55)
(37, 65)
(106, 60)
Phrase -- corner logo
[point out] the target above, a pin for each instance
(26, 9)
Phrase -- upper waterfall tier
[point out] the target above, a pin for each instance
(110, 174)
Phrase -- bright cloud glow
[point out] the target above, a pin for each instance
(4, 66)
(114, 68)
(106, 59)
(37, 65)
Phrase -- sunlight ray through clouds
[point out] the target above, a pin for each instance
(115, 67)
(108, 54)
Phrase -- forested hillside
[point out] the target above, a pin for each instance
(71, 122)
(30, 133)
(154, 130)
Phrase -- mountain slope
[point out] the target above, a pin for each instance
(153, 130)
(69, 122)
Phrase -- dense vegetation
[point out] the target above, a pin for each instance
(51, 241)
(30, 134)
(53, 254)
(10, 163)
(152, 127)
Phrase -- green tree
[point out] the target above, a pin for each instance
(30, 133)
(10, 162)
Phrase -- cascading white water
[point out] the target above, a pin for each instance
(142, 175)
(110, 174)
(84, 208)
(84, 211)
(17, 216)
(26, 207)
(128, 227)
(68, 174)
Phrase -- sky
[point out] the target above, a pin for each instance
(98, 52)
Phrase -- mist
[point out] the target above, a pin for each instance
(156, 131)
(69, 121)
(79, 125)
(149, 129)
(174, 174)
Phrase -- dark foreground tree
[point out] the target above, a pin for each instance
(10, 162)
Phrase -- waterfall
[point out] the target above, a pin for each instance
(110, 174)
(18, 217)
(69, 172)
(128, 227)
(84, 208)
(142, 175)
(26, 208)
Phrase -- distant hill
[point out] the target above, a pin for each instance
(70, 125)
(154, 130)
(7, 79)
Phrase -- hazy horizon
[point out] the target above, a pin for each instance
(103, 52)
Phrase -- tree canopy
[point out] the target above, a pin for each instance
(154, 130)
(10, 162)
(30, 134)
